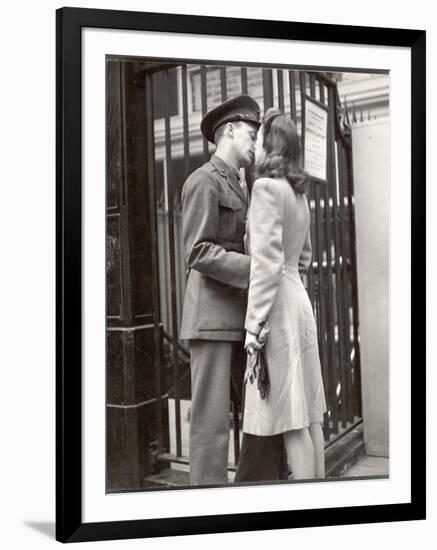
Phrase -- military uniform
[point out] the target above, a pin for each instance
(214, 211)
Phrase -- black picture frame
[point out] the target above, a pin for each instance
(69, 524)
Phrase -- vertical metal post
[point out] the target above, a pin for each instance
(338, 255)
(123, 187)
(345, 286)
(204, 100)
(280, 76)
(126, 298)
(292, 86)
(171, 235)
(312, 85)
(154, 254)
(185, 120)
(182, 278)
(310, 187)
(322, 297)
(357, 373)
(244, 80)
(244, 90)
(267, 88)
(223, 89)
(332, 362)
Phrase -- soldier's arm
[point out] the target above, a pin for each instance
(200, 226)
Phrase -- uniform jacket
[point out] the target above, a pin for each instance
(214, 209)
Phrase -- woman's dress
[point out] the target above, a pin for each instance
(278, 240)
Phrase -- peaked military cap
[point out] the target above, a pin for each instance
(242, 107)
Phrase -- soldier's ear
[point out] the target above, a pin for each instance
(230, 129)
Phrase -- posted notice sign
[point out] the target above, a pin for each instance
(316, 140)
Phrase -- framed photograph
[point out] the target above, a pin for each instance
(169, 132)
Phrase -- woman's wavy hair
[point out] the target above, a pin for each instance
(282, 151)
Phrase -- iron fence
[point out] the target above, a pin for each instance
(176, 147)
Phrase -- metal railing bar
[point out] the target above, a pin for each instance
(204, 103)
(310, 186)
(123, 186)
(345, 283)
(244, 80)
(338, 252)
(154, 254)
(223, 90)
(332, 363)
(267, 80)
(322, 298)
(312, 86)
(292, 86)
(280, 78)
(184, 82)
(343, 432)
(171, 233)
(355, 306)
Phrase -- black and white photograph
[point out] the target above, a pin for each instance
(240, 224)
(218, 275)
(247, 299)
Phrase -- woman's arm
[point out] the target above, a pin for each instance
(266, 215)
(305, 255)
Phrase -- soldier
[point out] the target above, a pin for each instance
(215, 202)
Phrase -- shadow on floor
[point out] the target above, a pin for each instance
(47, 528)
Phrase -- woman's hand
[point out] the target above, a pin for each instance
(251, 344)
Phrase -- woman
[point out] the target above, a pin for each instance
(279, 310)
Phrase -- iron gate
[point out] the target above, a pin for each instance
(177, 96)
(148, 366)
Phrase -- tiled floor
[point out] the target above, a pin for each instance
(369, 466)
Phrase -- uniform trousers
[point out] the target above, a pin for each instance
(209, 419)
(260, 460)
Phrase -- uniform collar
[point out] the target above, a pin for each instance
(230, 173)
(225, 168)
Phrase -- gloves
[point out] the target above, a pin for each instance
(254, 342)
(256, 368)
(251, 344)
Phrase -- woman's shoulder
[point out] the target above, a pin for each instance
(276, 183)
(273, 186)
(269, 194)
